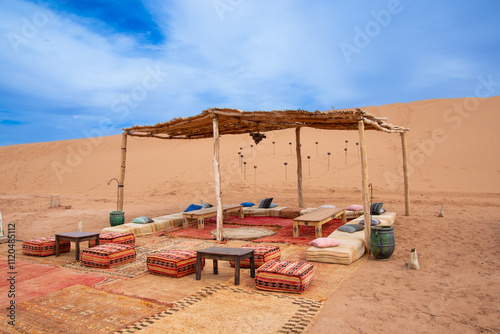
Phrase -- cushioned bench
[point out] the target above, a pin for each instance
(125, 238)
(108, 256)
(262, 254)
(352, 245)
(284, 276)
(45, 247)
(173, 263)
(161, 223)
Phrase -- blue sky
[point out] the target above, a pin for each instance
(75, 69)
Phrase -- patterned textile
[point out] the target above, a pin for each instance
(258, 212)
(115, 238)
(108, 256)
(353, 214)
(285, 276)
(262, 254)
(45, 247)
(174, 263)
(290, 213)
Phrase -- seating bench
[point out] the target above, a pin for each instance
(317, 218)
(200, 215)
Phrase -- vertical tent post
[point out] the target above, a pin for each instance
(215, 123)
(299, 167)
(122, 171)
(364, 173)
(405, 174)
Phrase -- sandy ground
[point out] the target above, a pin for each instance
(454, 162)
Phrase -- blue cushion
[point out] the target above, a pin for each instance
(247, 204)
(142, 220)
(346, 228)
(375, 221)
(206, 205)
(193, 207)
(273, 205)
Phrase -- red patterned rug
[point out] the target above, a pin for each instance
(282, 226)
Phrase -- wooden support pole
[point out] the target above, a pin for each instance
(122, 172)
(364, 174)
(299, 167)
(405, 173)
(220, 216)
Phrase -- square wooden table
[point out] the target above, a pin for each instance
(227, 254)
(76, 237)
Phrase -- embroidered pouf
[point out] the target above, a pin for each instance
(124, 238)
(174, 263)
(108, 256)
(45, 246)
(284, 276)
(262, 254)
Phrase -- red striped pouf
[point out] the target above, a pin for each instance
(124, 238)
(108, 256)
(174, 263)
(284, 276)
(45, 246)
(262, 254)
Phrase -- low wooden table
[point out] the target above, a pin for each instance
(201, 214)
(227, 254)
(76, 237)
(317, 218)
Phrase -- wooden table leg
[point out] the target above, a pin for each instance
(241, 213)
(252, 266)
(295, 229)
(57, 245)
(77, 244)
(319, 230)
(237, 270)
(343, 217)
(216, 267)
(201, 223)
(198, 266)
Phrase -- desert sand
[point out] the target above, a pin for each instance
(454, 162)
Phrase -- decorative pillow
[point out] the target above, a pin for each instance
(346, 228)
(327, 206)
(247, 204)
(376, 208)
(206, 205)
(273, 205)
(351, 228)
(355, 207)
(142, 220)
(193, 207)
(324, 242)
(375, 221)
(264, 204)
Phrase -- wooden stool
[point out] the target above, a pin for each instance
(173, 263)
(108, 256)
(284, 276)
(263, 254)
(45, 247)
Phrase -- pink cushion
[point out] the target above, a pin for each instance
(324, 242)
(355, 207)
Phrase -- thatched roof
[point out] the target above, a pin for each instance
(233, 121)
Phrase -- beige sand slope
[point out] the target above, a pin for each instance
(454, 160)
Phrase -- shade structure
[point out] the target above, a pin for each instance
(216, 122)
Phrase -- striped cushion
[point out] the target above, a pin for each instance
(45, 247)
(174, 263)
(108, 256)
(126, 238)
(262, 254)
(285, 276)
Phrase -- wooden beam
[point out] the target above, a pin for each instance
(218, 196)
(299, 167)
(405, 173)
(122, 171)
(364, 175)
